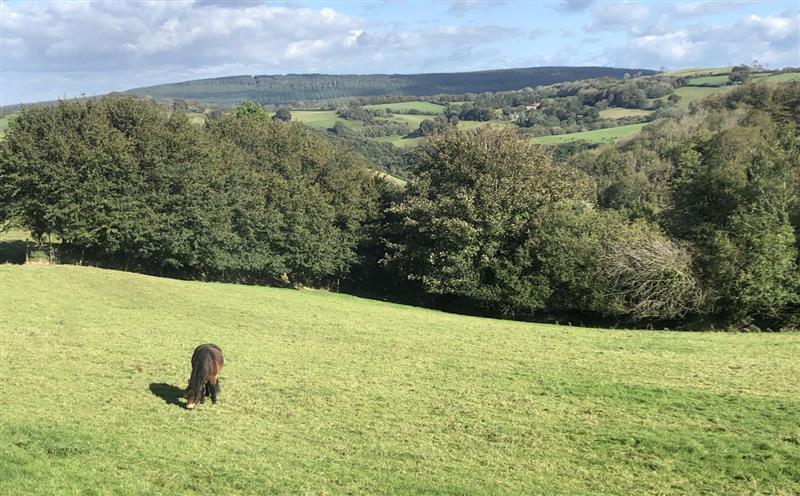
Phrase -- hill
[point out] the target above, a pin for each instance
(290, 88)
(324, 393)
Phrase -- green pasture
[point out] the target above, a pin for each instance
(719, 80)
(4, 122)
(323, 119)
(607, 135)
(701, 71)
(782, 77)
(621, 113)
(196, 117)
(413, 120)
(399, 141)
(492, 124)
(691, 94)
(420, 106)
(324, 393)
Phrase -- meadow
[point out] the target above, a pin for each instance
(421, 106)
(325, 393)
(321, 119)
(621, 113)
(4, 122)
(691, 94)
(607, 135)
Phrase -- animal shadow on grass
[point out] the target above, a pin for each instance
(167, 392)
(13, 251)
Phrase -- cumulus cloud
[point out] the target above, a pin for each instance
(619, 16)
(81, 43)
(772, 40)
(575, 5)
(695, 9)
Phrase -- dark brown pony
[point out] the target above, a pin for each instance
(207, 364)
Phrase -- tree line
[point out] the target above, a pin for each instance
(695, 222)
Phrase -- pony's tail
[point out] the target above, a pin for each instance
(197, 380)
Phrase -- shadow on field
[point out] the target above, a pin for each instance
(13, 251)
(167, 392)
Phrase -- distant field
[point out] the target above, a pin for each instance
(418, 105)
(492, 124)
(621, 113)
(412, 119)
(323, 119)
(786, 76)
(329, 394)
(691, 94)
(722, 80)
(4, 122)
(608, 135)
(399, 141)
(709, 80)
(196, 117)
(701, 71)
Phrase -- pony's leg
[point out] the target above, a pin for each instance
(205, 392)
(214, 392)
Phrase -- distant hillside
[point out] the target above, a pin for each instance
(292, 88)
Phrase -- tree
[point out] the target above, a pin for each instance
(282, 114)
(739, 74)
(468, 210)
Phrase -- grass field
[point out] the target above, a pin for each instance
(4, 122)
(196, 117)
(702, 71)
(323, 119)
(416, 105)
(330, 394)
(691, 94)
(399, 141)
(786, 76)
(621, 113)
(719, 80)
(413, 120)
(607, 135)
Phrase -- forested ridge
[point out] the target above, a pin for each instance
(290, 88)
(695, 222)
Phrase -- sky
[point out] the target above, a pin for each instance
(57, 49)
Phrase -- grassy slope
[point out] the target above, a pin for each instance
(323, 119)
(691, 94)
(621, 113)
(4, 121)
(330, 394)
(786, 76)
(607, 135)
(416, 105)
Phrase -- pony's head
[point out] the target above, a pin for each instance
(193, 397)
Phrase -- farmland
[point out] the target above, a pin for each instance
(621, 113)
(420, 106)
(608, 135)
(322, 119)
(324, 393)
(4, 122)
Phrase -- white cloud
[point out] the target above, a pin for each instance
(773, 40)
(618, 16)
(85, 43)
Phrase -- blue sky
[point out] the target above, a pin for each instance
(52, 49)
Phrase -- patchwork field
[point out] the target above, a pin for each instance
(607, 135)
(324, 393)
(405, 106)
(323, 119)
(621, 113)
(691, 94)
(4, 122)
